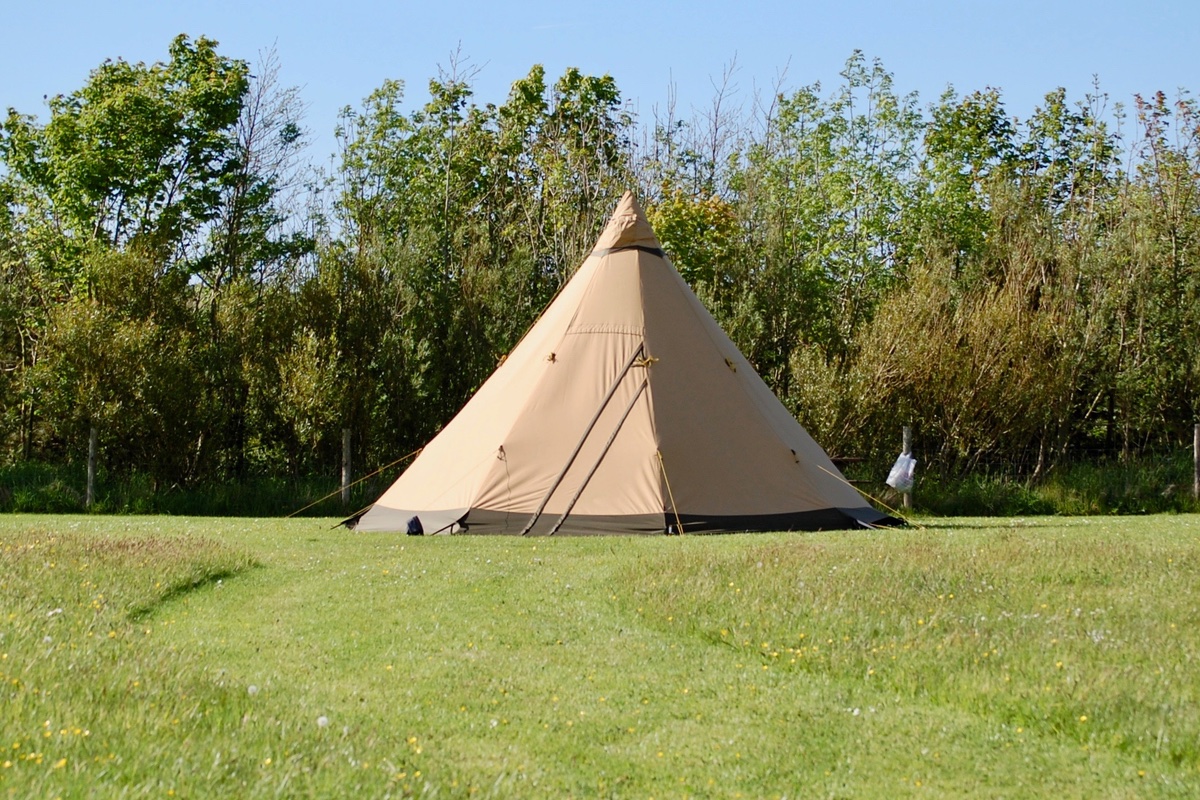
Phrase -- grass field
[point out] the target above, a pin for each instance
(174, 657)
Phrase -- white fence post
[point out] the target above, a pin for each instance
(907, 450)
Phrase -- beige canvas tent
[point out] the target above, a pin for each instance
(625, 409)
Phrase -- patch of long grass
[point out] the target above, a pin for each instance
(1084, 633)
(1141, 486)
(85, 682)
(53, 489)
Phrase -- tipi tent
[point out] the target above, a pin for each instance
(625, 409)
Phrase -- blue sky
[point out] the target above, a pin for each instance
(338, 52)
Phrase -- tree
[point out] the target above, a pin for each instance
(968, 142)
(460, 223)
(1159, 380)
(822, 192)
(145, 225)
(137, 156)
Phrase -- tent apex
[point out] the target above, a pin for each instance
(628, 227)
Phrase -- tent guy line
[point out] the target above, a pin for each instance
(338, 490)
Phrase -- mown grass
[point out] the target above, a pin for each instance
(198, 658)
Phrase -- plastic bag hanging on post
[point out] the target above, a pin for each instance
(901, 476)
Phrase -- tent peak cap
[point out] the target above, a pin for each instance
(628, 227)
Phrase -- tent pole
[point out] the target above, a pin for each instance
(582, 439)
(612, 438)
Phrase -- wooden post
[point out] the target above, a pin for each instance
(1196, 461)
(907, 450)
(91, 469)
(345, 466)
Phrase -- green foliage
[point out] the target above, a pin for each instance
(1022, 347)
(137, 154)
(701, 235)
(31, 487)
(1025, 294)
(142, 229)
(967, 142)
(118, 361)
(821, 196)
(1145, 486)
(39, 488)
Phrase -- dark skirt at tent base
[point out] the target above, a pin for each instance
(484, 522)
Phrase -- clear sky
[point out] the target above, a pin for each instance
(338, 51)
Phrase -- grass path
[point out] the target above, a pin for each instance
(941, 662)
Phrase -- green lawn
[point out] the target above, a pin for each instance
(172, 657)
